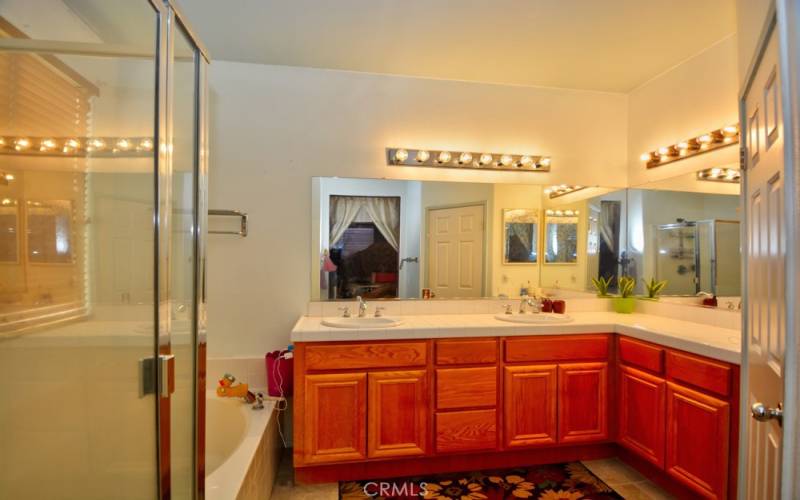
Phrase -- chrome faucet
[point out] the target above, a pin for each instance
(534, 303)
(362, 307)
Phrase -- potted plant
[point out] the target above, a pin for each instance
(625, 303)
(654, 288)
(601, 285)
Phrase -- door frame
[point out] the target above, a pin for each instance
(486, 258)
(783, 15)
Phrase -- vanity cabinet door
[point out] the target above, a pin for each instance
(398, 413)
(582, 402)
(335, 418)
(530, 405)
(642, 408)
(697, 440)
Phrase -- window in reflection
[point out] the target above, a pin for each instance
(561, 240)
(49, 231)
(9, 231)
(521, 242)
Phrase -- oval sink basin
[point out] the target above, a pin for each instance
(355, 323)
(534, 319)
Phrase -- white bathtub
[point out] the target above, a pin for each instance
(241, 449)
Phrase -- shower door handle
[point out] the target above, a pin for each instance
(157, 375)
(166, 379)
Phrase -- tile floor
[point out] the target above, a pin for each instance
(624, 479)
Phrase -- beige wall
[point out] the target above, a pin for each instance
(273, 128)
(689, 100)
(751, 16)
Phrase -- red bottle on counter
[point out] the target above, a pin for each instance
(559, 306)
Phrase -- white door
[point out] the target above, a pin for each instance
(455, 251)
(766, 299)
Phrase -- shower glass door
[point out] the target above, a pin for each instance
(100, 251)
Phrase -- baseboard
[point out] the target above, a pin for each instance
(451, 463)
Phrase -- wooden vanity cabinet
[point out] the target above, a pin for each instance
(641, 426)
(371, 409)
(556, 390)
(335, 417)
(678, 411)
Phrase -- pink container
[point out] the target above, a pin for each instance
(280, 374)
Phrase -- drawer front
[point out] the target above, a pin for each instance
(466, 387)
(712, 376)
(357, 356)
(466, 430)
(557, 348)
(466, 352)
(641, 355)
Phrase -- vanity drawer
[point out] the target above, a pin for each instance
(556, 348)
(713, 376)
(361, 355)
(466, 387)
(641, 355)
(466, 352)
(466, 430)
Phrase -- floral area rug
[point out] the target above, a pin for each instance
(570, 481)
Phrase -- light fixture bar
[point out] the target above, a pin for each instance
(716, 139)
(562, 213)
(467, 160)
(729, 175)
(77, 146)
(561, 190)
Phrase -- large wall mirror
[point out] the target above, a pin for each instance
(387, 239)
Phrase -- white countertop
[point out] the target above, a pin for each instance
(719, 343)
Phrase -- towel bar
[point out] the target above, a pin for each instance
(231, 213)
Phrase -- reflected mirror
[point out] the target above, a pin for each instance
(521, 236)
(561, 237)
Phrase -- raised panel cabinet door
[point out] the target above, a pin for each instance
(530, 405)
(582, 402)
(398, 413)
(697, 440)
(642, 411)
(335, 423)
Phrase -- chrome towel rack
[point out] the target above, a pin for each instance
(231, 213)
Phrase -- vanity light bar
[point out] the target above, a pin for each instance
(466, 160)
(561, 213)
(704, 143)
(77, 146)
(720, 175)
(561, 190)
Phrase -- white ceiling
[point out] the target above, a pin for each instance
(609, 45)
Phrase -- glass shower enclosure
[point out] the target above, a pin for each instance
(102, 246)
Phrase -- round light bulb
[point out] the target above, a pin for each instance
(525, 161)
(548, 191)
(72, 143)
(465, 158)
(663, 151)
(422, 156)
(549, 212)
(716, 172)
(545, 161)
(683, 145)
(21, 144)
(400, 155)
(146, 144)
(48, 144)
(704, 139)
(444, 157)
(730, 130)
(645, 157)
(6, 201)
(123, 144)
(9, 177)
(506, 160)
(486, 159)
